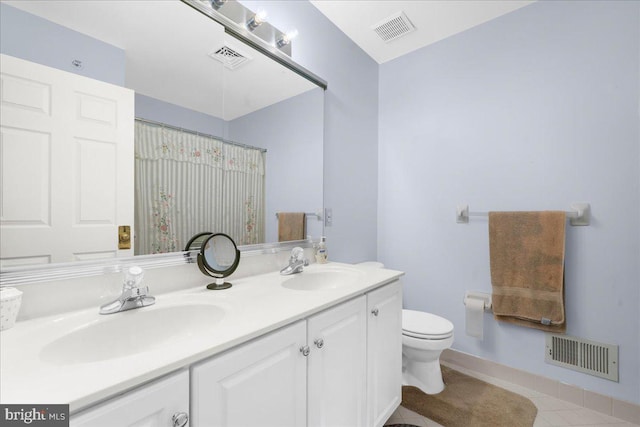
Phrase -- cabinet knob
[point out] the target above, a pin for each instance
(375, 311)
(319, 343)
(305, 350)
(180, 419)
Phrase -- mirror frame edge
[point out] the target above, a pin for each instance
(38, 273)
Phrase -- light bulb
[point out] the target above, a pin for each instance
(287, 37)
(259, 18)
(216, 4)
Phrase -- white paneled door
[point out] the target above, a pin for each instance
(67, 165)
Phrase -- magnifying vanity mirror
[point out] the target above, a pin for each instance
(197, 241)
(258, 118)
(218, 257)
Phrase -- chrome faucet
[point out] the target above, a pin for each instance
(297, 262)
(133, 295)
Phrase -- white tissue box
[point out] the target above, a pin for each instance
(10, 299)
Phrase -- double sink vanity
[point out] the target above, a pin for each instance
(321, 347)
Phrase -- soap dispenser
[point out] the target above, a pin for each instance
(321, 253)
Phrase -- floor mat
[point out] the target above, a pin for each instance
(468, 401)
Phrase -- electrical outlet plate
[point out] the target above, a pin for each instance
(328, 217)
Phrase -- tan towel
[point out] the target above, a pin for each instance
(291, 226)
(527, 268)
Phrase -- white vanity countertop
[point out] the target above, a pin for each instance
(39, 365)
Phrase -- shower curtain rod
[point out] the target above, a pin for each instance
(193, 132)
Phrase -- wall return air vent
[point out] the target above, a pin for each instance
(393, 27)
(582, 355)
(230, 57)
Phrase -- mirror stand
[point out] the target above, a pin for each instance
(219, 285)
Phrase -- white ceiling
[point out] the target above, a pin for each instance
(167, 46)
(434, 20)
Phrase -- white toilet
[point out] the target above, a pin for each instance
(424, 336)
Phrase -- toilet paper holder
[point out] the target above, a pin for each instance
(485, 297)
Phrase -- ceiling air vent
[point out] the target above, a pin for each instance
(231, 58)
(394, 26)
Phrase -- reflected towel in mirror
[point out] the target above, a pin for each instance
(291, 226)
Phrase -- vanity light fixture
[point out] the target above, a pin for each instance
(258, 19)
(286, 38)
(217, 4)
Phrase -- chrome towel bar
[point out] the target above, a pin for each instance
(580, 214)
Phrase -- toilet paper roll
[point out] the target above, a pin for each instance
(474, 317)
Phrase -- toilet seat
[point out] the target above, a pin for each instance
(427, 336)
(426, 326)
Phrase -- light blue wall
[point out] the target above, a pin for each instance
(37, 40)
(531, 111)
(350, 124)
(175, 115)
(291, 131)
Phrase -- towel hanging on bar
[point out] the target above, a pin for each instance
(291, 226)
(526, 251)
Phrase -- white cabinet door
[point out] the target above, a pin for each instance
(67, 165)
(337, 366)
(384, 350)
(262, 383)
(153, 405)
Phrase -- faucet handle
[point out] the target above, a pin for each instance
(133, 277)
(297, 254)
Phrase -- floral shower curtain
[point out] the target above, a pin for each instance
(187, 183)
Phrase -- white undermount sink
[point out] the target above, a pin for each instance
(131, 332)
(322, 278)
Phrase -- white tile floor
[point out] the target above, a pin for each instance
(551, 411)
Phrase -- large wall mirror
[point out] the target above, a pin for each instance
(201, 93)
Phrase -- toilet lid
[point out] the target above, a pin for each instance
(419, 324)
